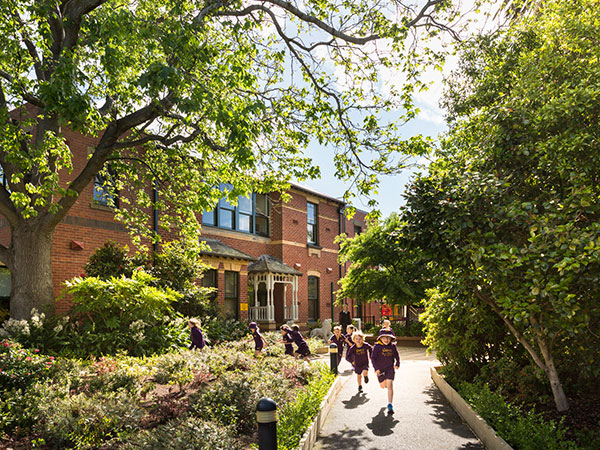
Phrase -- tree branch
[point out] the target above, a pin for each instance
(522, 340)
(6, 256)
(7, 208)
(106, 145)
(26, 95)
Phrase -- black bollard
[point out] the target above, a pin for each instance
(333, 358)
(266, 416)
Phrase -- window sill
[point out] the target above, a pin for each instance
(102, 207)
(315, 246)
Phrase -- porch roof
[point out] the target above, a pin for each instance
(218, 248)
(268, 263)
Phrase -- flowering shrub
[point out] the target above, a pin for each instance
(21, 367)
(218, 330)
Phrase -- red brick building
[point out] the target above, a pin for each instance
(271, 261)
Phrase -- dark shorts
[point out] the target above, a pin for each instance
(303, 351)
(257, 348)
(289, 350)
(359, 370)
(389, 374)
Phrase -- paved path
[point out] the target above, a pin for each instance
(422, 420)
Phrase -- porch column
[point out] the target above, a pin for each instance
(285, 310)
(270, 297)
(295, 298)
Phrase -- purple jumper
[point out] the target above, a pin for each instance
(258, 340)
(197, 339)
(340, 345)
(289, 348)
(359, 357)
(302, 349)
(384, 358)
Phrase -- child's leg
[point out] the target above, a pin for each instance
(358, 379)
(390, 388)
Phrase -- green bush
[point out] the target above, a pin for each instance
(20, 367)
(217, 329)
(523, 430)
(296, 416)
(112, 260)
(176, 266)
(124, 314)
(81, 421)
(231, 401)
(186, 434)
(197, 302)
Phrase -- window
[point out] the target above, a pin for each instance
(313, 298)
(357, 230)
(209, 280)
(231, 294)
(251, 215)
(311, 222)
(105, 190)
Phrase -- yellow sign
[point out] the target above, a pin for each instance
(243, 306)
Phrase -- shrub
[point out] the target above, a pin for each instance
(186, 433)
(523, 430)
(81, 421)
(296, 416)
(176, 266)
(20, 367)
(229, 401)
(112, 260)
(218, 330)
(197, 302)
(124, 314)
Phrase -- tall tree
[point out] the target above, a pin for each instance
(382, 266)
(510, 210)
(194, 92)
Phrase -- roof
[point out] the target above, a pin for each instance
(268, 263)
(308, 190)
(217, 248)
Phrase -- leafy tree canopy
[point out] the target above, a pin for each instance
(382, 267)
(509, 211)
(190, 94)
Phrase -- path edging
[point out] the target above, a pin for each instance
(310, 436)
(482, 430)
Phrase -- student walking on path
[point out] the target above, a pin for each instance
(422, 420)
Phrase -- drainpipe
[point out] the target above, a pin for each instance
(341, 229)
(155, 215)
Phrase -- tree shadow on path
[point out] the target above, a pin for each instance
(447, 418)
(382, 424)
(351, 439)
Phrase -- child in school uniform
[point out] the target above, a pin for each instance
(338, 339)
(287, 340)
(302, 350)
(259, 341)
(358, 355)
(348, 337)
(196, 335)
(386, 361)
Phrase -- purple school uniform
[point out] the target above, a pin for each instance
(289, 348)
(197, 339)
(302, 349)
(384, 358)
(340, 345)
(348, 337)
(258, 341)
(359, 357)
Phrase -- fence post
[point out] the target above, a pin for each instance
(266, 416)
(333, 358)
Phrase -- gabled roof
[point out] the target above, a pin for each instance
(217, 248)
(268, 263)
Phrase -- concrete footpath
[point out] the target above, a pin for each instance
(422, 420)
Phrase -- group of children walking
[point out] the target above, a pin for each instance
(384, 356)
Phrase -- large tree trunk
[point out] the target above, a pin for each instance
(31, 271)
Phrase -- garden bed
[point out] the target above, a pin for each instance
(182, 399)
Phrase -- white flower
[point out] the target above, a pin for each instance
(58, 328)
(138, 326)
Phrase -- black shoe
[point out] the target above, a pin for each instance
(360, 389)
(366, 378)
